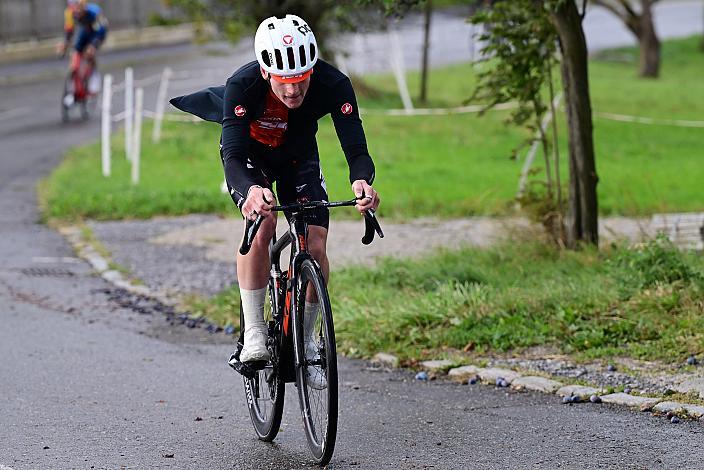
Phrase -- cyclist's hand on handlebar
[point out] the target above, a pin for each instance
(259, 201)
(371, 200)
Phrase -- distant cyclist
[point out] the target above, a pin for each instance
(92, 27)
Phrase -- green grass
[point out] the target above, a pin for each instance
(643, 303)
(445, 166)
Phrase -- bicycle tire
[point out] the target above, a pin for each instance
(318, 406)
(265, 392)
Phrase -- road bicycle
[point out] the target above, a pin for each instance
(80, 88)
(313, 368)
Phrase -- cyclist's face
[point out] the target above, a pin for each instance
(290, 94)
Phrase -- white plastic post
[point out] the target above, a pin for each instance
(399, 70)
(534, 148)
(137, 137)
(129, 110)
(106, 121)
(161, 104)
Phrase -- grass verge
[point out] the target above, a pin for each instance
(460, 158)
(644, 303)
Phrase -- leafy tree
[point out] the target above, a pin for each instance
(566, 19)
(640, 23)
(519, 51)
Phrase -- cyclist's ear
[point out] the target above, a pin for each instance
(265, 75)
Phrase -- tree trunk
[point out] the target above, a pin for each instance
(649, 43)
(582, 217)
(426, 46)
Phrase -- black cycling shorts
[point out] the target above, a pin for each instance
(296, 181)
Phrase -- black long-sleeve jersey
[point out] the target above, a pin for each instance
(243, 100)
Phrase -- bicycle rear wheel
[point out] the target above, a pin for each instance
(316, 371)
(265, 392)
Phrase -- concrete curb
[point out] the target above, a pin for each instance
(117, 40)
(518, 381)
(101, 266)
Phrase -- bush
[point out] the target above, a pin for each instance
(656, 262)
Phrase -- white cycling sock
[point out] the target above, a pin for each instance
(253, 308)
(310, 315)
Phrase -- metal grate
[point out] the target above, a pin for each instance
(47, 272)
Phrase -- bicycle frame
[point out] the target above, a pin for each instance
(285, 288)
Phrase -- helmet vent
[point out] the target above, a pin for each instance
(291, 58)
(271, 26)
(312, 51)
(265, 58)
(279, 59)
(302, 55)
(295, 23)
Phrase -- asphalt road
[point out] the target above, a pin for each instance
(87, 383)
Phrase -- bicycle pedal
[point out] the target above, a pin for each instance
(247, 369)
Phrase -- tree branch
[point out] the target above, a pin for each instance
(612, 8)
(629, 9)
(629, 19)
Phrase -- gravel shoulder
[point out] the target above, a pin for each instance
(196, 253)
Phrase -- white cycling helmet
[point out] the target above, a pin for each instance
(286, 48)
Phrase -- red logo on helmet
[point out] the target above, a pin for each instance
(240, 111)
(346, 108)
(288, 39)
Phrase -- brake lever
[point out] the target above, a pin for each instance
(250, 231)
(371, 226)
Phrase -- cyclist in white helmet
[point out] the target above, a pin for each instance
(271, 109)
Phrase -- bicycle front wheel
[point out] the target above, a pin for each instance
(265, 392)
(316, 365)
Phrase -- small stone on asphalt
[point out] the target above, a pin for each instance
(423, 376)
(595, 399)
(674, 420)
(692, 361)
(611, 368)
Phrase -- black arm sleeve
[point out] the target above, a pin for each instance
(348, 125)
(235, 140)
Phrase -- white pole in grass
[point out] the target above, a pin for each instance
(161, 104)
(129, 110)
(137, 141)
(105, 128)
(399, 70)
(534, 147)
